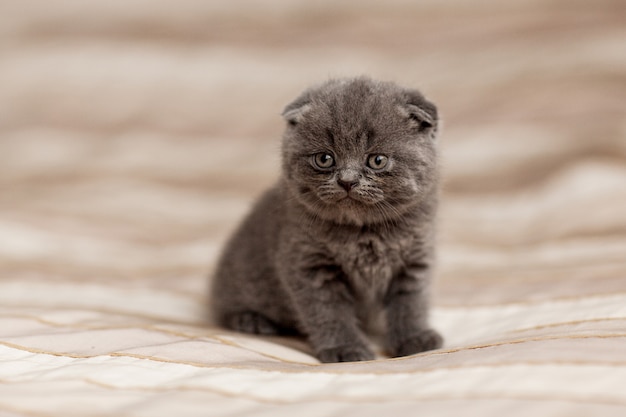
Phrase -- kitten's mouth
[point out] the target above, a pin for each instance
(346, 196)
(350, 197)
(354, 201)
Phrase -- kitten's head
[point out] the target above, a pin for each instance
(358, 151)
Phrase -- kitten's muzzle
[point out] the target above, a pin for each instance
(348, 179)
(347, 185)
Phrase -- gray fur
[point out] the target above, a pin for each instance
(325, 250)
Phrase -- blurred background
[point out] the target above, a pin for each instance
(135, 134)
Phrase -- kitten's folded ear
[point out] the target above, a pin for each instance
(295, 111)
(421, 112)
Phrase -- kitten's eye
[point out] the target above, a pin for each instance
(323, 160)
(377, 161)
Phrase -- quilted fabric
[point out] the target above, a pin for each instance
(135, 135)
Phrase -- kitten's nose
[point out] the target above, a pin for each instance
(348, 178)
(348, 184)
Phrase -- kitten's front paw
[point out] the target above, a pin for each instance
(351, 353)
(427, 339)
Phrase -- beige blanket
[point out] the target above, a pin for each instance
(135, 134)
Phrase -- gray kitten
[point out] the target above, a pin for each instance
(347, 232)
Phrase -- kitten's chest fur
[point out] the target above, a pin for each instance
(369, 262)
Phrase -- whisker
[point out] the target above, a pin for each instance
(385, 208)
